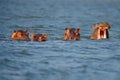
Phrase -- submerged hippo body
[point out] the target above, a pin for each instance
(20, 35)
(38, 37)
(100, 31)
(71, 34)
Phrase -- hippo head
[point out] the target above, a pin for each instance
(20, 35)
(39, 37)
(72, 34)
(42, 37)
(100, 30)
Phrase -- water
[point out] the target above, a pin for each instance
(56, 59)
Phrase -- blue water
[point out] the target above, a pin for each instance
(56, 59)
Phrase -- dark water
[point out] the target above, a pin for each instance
(56, 59)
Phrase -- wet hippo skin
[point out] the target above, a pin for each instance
(38, 37)
(20, 35)
(71, 34)
(100, 31)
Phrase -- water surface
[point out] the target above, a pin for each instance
(56, 59)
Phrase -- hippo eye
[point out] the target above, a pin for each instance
(66, 28)
(14, 31)
(78, 29)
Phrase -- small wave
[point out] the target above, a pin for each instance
(26, 17)
(5, 60)
(38, 26)
(17, 27)
(24, 52)
(115, 57)
(2, 37)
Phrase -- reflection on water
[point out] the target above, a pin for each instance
(56, 59)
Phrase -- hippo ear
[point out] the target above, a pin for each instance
(66, 28)
(94, 27)
(78, 29)
(15, 31)
(26, 32)
(45, 35)
(108, 25)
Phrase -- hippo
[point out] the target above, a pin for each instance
(71, 34)
(39, 37)
(100, 31)
(20, 35)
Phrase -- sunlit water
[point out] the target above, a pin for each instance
(56, 59)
